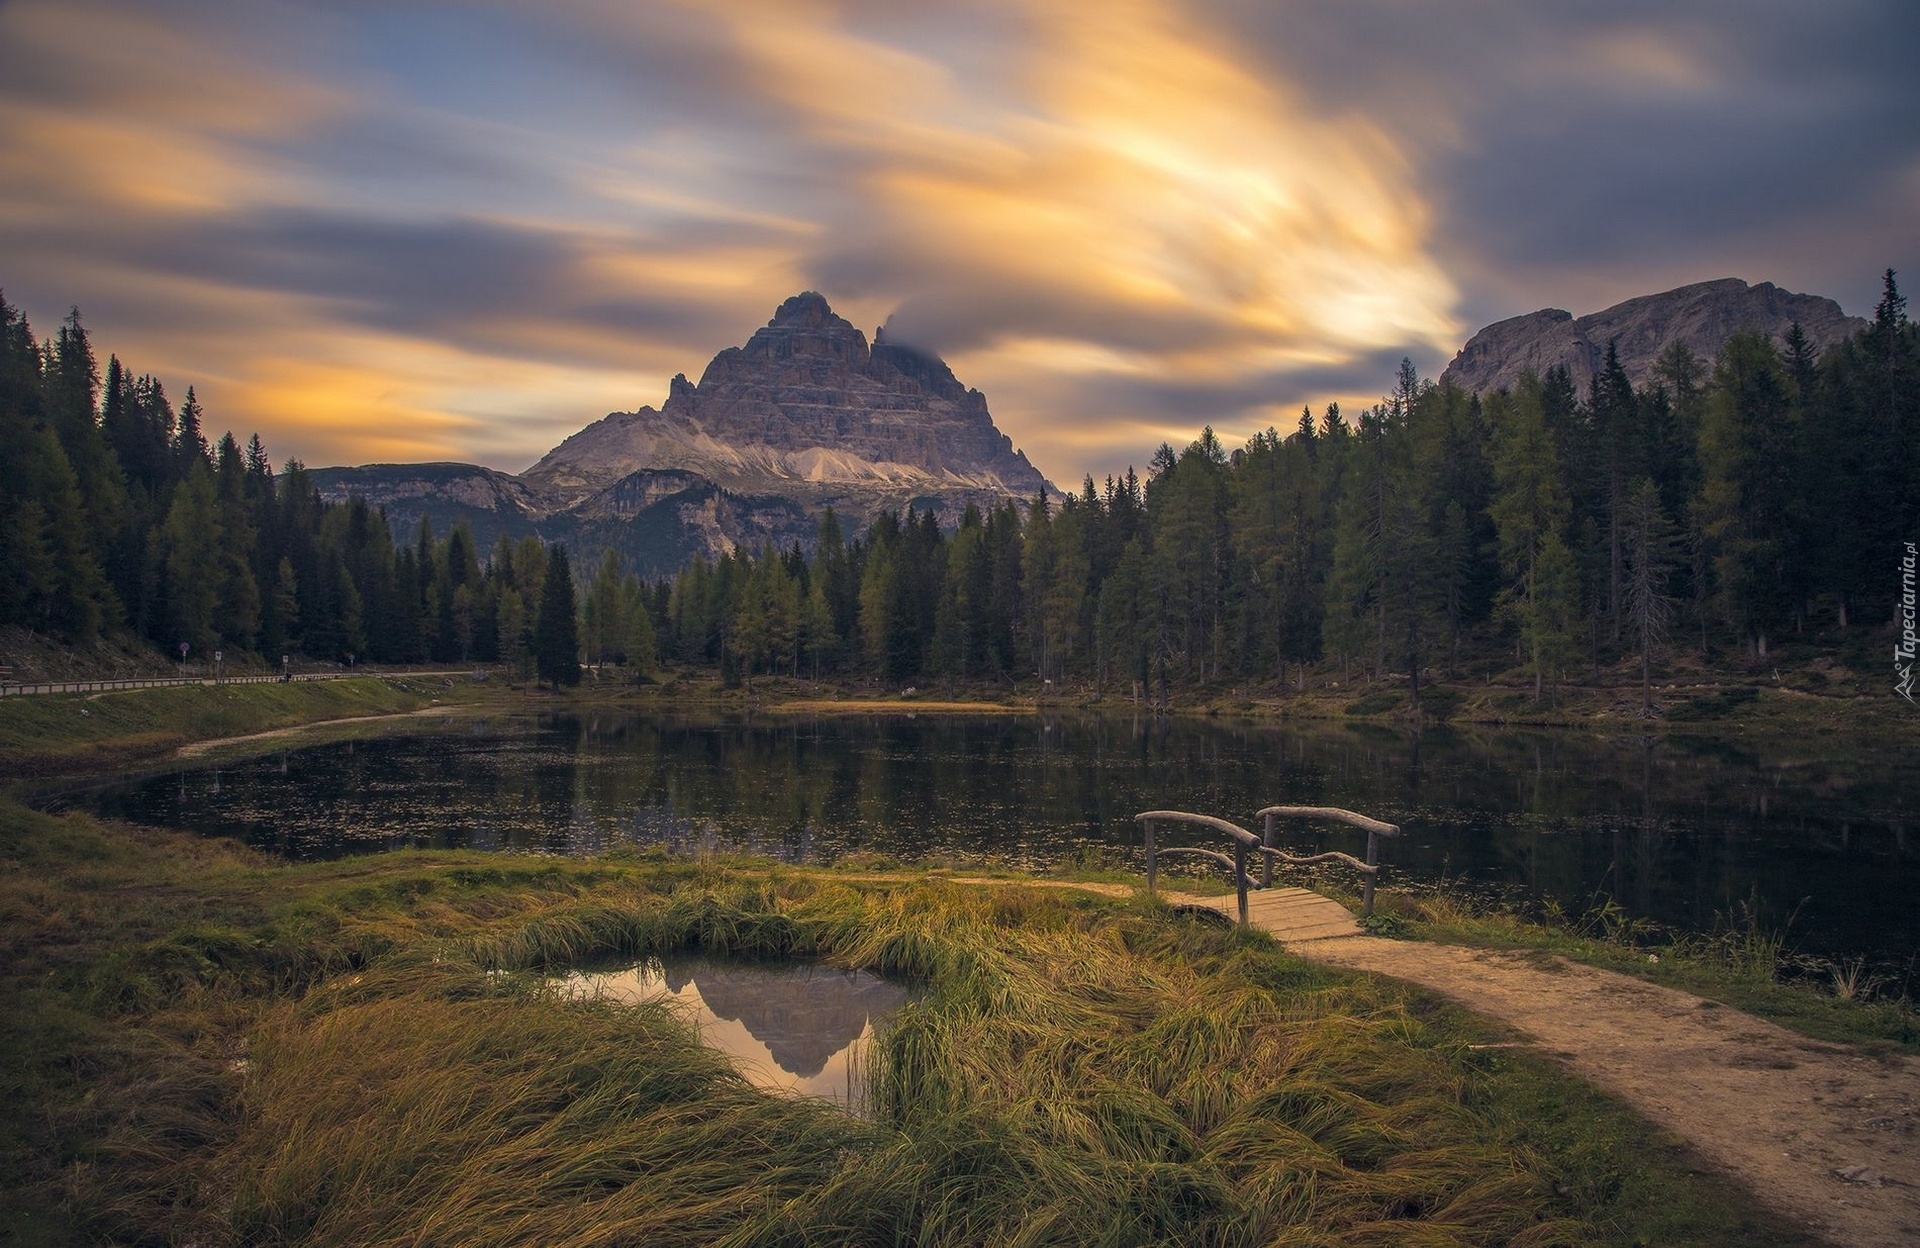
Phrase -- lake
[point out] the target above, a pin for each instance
(1679, 830)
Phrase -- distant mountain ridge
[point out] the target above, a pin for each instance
(1703, 315)
(805, 416)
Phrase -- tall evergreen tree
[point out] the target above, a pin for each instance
(556, 633)
(1752, 503)
(1530, 512)
(1650, 555)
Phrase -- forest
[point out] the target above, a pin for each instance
(1722, 507)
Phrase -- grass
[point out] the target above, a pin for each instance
(52, 733)
(898, 706)
(205, 1046)
(1715, 705)
(1746, 961)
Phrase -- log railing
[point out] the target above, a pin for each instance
(1246, 843)
(1369, 870)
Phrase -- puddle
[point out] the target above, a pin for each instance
(789, 1027)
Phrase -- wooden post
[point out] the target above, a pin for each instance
(1373, 860)
(1266, 860)
(1148, 825)
(1240, 876)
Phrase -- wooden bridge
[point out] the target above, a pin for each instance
(1291, 915)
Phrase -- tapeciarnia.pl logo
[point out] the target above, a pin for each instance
(1903, 650)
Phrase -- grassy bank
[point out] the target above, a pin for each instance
(1746, 962)
(205, 1046)
(52, 733)
(1732, 705)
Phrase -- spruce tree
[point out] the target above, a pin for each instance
(556, 633)
(1530, 512)
(1753, 507)
(1650, 554)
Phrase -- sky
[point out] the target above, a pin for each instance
(390, 231)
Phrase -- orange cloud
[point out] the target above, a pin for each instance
(1123, 198)
(1147, 207)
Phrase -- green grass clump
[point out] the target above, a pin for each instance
(1377, 703)
(205, 1046)
(1716, 705)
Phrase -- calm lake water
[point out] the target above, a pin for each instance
(1680, 831)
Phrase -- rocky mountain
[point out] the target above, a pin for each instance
(1703, 315)
(806, 415)
(808, 410)
(658, 520)
(492, 503)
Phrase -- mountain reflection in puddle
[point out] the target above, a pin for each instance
(793, 1027)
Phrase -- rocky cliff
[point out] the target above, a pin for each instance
(1703, 315)
(807, 410)
(806, 415)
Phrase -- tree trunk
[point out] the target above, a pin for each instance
(1646, 674)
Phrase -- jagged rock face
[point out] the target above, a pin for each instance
(804, 416)
(1703, 316)
(658, 521)
(465, 485)
(806, 409)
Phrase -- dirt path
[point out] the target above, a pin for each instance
(1822, 1133)
(195, 749)
(1825, 1134)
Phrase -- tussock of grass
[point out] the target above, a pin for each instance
(371, 1053)
(1073, 1075)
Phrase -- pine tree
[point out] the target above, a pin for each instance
(73, 386)
(1530, 513)
(1124, 621)
(1356, 592)
(556, 633)
(1751, 499)
(50, 579)
(1618, 440)
(190, 542)
(601, 628)
(1650, 555)
(190, 444)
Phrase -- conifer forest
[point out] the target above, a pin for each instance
(1719, 509)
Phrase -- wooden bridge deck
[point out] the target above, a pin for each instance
(1290, 915)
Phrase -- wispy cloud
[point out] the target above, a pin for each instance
(404, 230)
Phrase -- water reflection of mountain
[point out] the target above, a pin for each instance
(803, 1016)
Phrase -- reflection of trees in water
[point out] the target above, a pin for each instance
(1678, 829)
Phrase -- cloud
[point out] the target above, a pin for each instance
(376, 229)
(1575, 157)
(1136, 203)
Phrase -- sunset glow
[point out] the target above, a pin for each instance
(414, 232)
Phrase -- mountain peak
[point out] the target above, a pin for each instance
(1703, 315)
(808, 309)
(806, 409)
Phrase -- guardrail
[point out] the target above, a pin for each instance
(16, 688)
(1246, 843)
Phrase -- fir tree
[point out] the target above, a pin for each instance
(556, 637)
(1650, 555)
